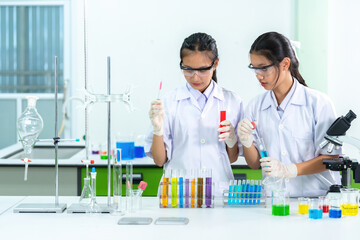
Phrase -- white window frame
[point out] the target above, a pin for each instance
(67, 53)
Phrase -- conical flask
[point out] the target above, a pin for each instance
(29, 125)
(86, 193)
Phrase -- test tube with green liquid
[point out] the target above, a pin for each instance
(174, 175)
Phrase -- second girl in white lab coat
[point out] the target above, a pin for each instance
(185, 123)
(291, 118)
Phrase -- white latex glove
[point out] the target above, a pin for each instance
(244, 131)
(228, 133)
(156, 115)
(275, 168)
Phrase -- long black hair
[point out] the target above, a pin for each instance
(275, 47)
(201, 42)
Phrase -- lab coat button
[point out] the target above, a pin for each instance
(281, 126)
(202, 115)
(202, 141)
(283, 153)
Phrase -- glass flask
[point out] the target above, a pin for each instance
(86, 193)
(29, 125)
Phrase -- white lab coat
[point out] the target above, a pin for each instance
(295, 138)
(191, 137)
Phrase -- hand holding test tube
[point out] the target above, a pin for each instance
(245, 131)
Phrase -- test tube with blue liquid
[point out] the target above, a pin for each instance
(234, 195)
(276, 182)
(231, 186)
(238, 190)
(243, 190)
(259, 191)
(181, 190)
(247, 194)
(252, 190)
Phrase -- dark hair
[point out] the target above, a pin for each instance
(201, 42)
(275, 47)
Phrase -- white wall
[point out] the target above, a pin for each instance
(143, 39)
(344, 63)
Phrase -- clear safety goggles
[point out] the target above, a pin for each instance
(263, 71)
(201, 72)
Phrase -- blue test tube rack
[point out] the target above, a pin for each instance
(245, 193)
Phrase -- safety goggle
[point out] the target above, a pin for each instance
(201, 72)
(263, 71)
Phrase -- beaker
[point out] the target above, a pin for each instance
(335, 206)
(29, 125)
(139, 146)
(136, 201)
(303, 204)
(324, 204)
(127, 145)
(95, 149)
(280, 202)
(315, 208)
(350, 201)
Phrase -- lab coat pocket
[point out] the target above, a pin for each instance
(304, 144)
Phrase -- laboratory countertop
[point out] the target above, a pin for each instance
(74, 160)
(204, 223)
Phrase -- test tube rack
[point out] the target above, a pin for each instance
(248, 193)
(187, 193)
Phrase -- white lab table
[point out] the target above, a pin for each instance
(216, 223)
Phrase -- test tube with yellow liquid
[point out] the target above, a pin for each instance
(193, 188)
(350, 201)
(174, 188)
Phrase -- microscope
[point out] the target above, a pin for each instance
(334, 138)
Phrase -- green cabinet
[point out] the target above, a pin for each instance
(152, 176)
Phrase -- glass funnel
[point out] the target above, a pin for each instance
(29, 125)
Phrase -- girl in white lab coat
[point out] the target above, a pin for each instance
(291, 118)
(185, 132)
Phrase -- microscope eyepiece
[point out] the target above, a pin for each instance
(350, 116)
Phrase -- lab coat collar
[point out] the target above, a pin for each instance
(184, 93)
(298, 98)
(218, 92)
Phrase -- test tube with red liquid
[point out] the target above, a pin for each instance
(222, 118)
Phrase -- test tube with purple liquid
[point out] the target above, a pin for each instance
(208, 188)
